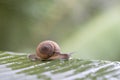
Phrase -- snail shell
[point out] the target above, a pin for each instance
(48, 50)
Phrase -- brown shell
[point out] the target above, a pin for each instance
(46, 49)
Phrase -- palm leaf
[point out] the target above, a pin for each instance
(15, 66)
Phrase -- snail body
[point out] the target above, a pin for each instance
(48, 50)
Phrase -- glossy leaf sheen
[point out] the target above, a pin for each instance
(14, 66)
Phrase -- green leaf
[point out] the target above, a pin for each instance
(16, 66)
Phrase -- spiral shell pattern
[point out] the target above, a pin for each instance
(46, 49)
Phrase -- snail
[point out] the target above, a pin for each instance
(48, 50)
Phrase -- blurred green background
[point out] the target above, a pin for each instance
(89, 28)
